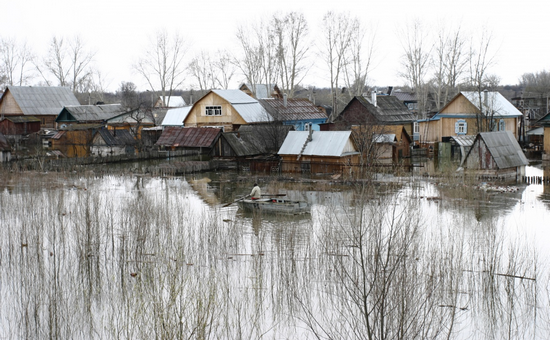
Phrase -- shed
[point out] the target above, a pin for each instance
(319, 152)
(19, 125)
(75, 140)
(496, 154)
(460, 146)
(113, 143)
(196, 140)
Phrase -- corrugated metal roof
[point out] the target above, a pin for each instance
(117, 137)
(235, 96)
(261, 91)
(42, 100)
(466, 140)
(175, 117)
(388, 110)
(246, 143)
(497, 103)
(404, 96)
(504, 148)
(295, 109)
(323, 143)
(536, 132)
(83, 113)
(175, 136)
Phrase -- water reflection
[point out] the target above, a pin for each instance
(124, 256)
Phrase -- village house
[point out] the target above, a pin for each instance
(226, 109)
(196, 141)
(75, 140)
(42, 102)
(319, 152)
(88, 114)
(496, 155)
(469, 113)
(544, 122)
(298, 112)
(16, 127)
(112, 143)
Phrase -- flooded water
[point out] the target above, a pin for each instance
(125, 256)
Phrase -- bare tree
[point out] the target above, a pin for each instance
(360, 60)
(128, 95)
(15, 61)
(69, 62)
(291, 32)
(225, 69)
(162, 63)
(481, 59)
(202, 70)
(337, 34)
(416, 61)
(450, 63)
(258, 61)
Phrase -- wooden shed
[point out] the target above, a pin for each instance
(19, 125)
(113, 143)
(198, 141)
(75, 141)
(319, 152)
(496, 154)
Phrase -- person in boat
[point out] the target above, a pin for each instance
(256, 192)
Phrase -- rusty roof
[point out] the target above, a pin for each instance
(388, 110)
(295, 109)
(176, 136)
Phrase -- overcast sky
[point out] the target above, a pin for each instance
(119, 30)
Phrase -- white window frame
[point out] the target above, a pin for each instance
(461, 127)
(501, 125)
(213, 110)
(416, 128)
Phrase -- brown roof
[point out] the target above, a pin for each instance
(295, 109)
(177, 136)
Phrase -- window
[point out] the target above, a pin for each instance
(416, 128)
(501, 125)
(307, 126)
(213, 111)
(461, 127)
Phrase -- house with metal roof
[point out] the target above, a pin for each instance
(195, 140)
(226, 109)
(496, 154)
(298, 112)
(112, 143)
(469, 113)
(42, 102)
(318, 152)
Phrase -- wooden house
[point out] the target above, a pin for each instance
(42, 102)
(112, 143)
(198, 141)
(89, 114)
(75, 140)
(469, 113)
(318, 152)
(496, 154)
(544, 122)
(298, 112)
(5, 149)
(15, 126)
(226, 109)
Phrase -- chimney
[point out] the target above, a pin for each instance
(373, 97)
(284, 100)
(310, 135)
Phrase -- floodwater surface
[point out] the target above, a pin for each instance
(139, 257)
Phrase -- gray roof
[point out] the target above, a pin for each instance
(246, 143)
(504, 148)
(323, 143)
(42, 100)
(247, 107)
(175, 117)
(388, 110)
(117, 137)
(261, 91)
(496, 102)
(83, 113)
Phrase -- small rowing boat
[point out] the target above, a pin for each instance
(274, 206)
